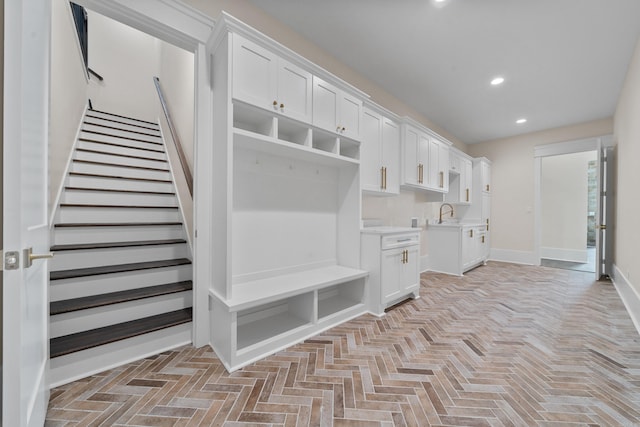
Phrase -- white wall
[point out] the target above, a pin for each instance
(512, 175)
(627, 134)
(68, 96)
(127, 59)
(564, 200)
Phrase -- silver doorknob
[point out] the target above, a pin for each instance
(29, 257)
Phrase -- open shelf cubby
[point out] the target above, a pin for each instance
(294, 132)
(324, 141)
(267, 321)
(350, 149)
(340, 297)
(252, 119)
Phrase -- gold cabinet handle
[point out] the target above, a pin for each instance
(282, 106)
(482, 239)
(29, 257)
(420, 169)
(487, 187)
(343, 128)
(487, 224)
(471, 233)
(467, 194)
(382, 186)
(338, 128)
(602, 227)
(275, 104)
(385, 177)
(441, 179)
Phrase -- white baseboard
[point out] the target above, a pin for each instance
(516, 257)
(562, 254)
(628, 294)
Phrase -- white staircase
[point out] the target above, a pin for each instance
(120, 281)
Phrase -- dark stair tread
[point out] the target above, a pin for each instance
(128, 138)
(113, 120)
(111, 190)
(88, 339)
(119, 268)
(120, 165)
(128, 156)
(83, 205)
(114, 144)
(84, 303)
(115, 224)
(121, 129)
(122, 117)
(109, 245)
(96, 175)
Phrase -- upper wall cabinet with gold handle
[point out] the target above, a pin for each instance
(379, 151)
(335, 110)
(263, 79)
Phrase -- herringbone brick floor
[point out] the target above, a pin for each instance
(506, 345)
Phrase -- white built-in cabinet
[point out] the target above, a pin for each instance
(285, 198)
(265, 80)
(393, 260)
(456, 248)
(335, 109)
(480, 209)
(380, 151)
(424, 158)
(460, 178)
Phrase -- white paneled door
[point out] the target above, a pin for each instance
(25, 298)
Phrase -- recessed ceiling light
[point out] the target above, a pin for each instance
(521, 121)
(497, 81)
(439, 1)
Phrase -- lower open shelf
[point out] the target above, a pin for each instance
(262, 327)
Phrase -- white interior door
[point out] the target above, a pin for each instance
(604, 214)
(25, 297)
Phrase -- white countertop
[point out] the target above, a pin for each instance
(384, 229)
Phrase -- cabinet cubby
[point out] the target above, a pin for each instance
(349, 149)
(337, 298)
(263, 323)
(293, 132)
(255, 120)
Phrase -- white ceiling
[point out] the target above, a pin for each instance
(564, 61)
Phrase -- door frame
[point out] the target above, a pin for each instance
(555, 149)
(189, 29)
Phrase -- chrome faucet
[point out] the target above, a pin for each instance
(442, 206)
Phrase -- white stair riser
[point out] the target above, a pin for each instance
(77, 235)
(155, 154)
(120, 119)
(120, 141)
(67, 260)
(108, 197)
(106, 283)
(145, 127)
(121, 160)
(136, 134)
(67, 215)
(84, 320)
(82, 364)
(118, 184)
(119, 171)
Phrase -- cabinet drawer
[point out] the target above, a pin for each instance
(400, 240)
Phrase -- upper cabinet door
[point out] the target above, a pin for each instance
(485, 173)
(410, 156)
(325, 105)
(371, 172)
(390, 155)
(294, 91)
(254, 74)
(443, 166)
(467, 185)
(335, 110)
(350, 115)
(433, 179)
